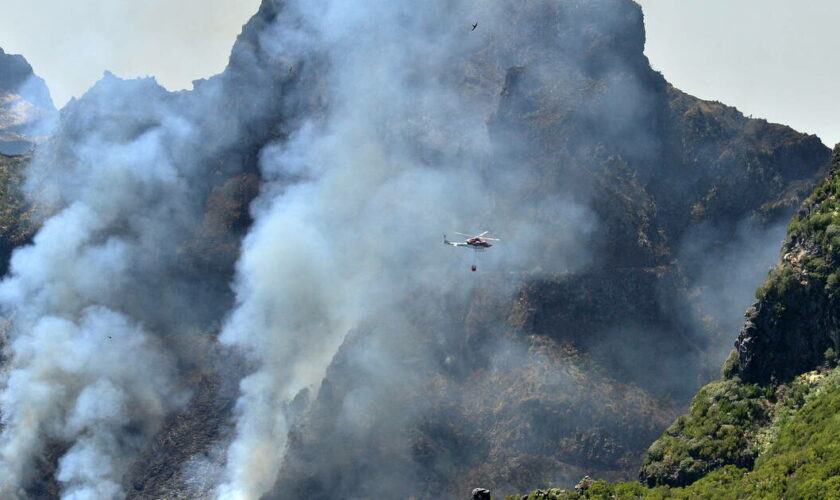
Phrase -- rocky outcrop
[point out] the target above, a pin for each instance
(583, 485)
(480, 494)
(17, 77)
(790, 337)
(796, 320)
(26, 108)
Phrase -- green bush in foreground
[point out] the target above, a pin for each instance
(803, 461)
(722, 418)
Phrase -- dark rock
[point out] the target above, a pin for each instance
(17, 77)
(584, 484)
(795, 320)
(480, 494)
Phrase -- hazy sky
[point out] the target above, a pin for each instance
(71, 42)
(773, 59)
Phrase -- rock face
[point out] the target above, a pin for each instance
(26, 108)
(480, 494)
(792, 330)
(16, 224)
(541, 373)
(606, 353)
(795, 320)
(583, 485)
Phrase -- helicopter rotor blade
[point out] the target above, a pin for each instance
(477, 236)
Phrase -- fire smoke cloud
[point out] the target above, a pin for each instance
(398, 157)
(372, 139)
(107, 314)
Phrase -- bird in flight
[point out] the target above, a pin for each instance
(474, 27)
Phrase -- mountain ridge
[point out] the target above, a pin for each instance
(633, 189)
(26, 108)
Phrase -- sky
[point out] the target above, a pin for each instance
(71, 43)
(771, 59)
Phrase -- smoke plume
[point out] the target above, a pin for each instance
(112, 306)
(353, 200)
(375, 127)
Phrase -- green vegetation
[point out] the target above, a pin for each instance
(817, 229)
(779, 282)
(790, 329)
(14, 222)
(722, 418)
(780, 437)
(830, 356)
(812, 249)
(730, 366)
(799, 451)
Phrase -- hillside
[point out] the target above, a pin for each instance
(16, 226)
(787, 333)
(798, 458)
(767, 428)
(244, 293)
(561, 372)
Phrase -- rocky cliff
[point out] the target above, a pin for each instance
(618, 196)
(784, 359)
(768, 427)
(793, 324)
(26, 108)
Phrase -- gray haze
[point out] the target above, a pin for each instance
(369, 145)
(396, 159)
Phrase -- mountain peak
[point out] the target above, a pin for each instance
(26, 108)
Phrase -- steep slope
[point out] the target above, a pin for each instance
(788, 332)
(768, 428)
(667, 177)
(16, 224)
(798, 461)
(26, 108)
(571, 349)
(793, 323)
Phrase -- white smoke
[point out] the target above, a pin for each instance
(82, 372)
(382, 147)
(100, 317)
(395, 161)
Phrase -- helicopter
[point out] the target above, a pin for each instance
(479, 242)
